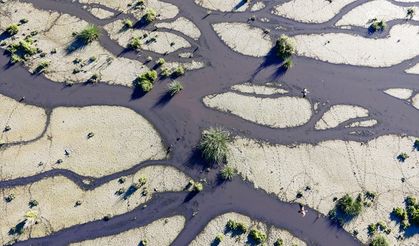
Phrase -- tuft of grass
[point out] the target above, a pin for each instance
(214, 144)
(128, 23)
(161, 61)
(175, 87)
(258, 236)
(150, 15)
(89, 34)
(288, 63)
(179, 71)
(228, 172)
(135, 43)
(285, 48)
(13, 29)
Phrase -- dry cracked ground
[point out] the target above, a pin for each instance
(104, 105)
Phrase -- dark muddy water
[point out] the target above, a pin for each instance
(184, 117)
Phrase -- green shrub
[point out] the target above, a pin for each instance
(378, 26)
(258, 236)
(89, 34)
(146, 80)
(372, 229)
(285, 48)
(128, 23)
(228, 173)
(42, 67)
(288, 63)
(214, 144)
(379, 240)
(410, 215)
(349, 206)
(161, 61)
(135, 43)
(179, 71)
(175, 87)
(13, 29)
(150, 15)
(165, 72)
(416, 144)
(402, 157)
(198, 187)
(237, 227)
(219, 238)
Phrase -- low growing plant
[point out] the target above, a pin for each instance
(146, 80)
(285, 48)
(150, 15)
(228, 173)
(89, 34)
(258, 236)
(214, 144)
(175, 87)
(13, 29)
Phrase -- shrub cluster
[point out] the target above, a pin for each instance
(285, 48)
(146, 80)
(150, 15)
(21, 50)
(346, 208)
(257, 236)
(377, 26)
(237, 227)
(408, 215)
(13, 29)
(89, 34)
(379, 240)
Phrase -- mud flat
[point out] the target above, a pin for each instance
(282, 112)
(266, 89)
(244, 39)
(161, 232)
(61, 203)
(217, 226)
(91, 141)
(159, 42)
(311, 11)
(224, 5)
(318, 174)
(338, 114)
(379, 9)
(60, 56)
(163, 9)
(182, 25)
(400, 93)
(338, 47)
(19, 121)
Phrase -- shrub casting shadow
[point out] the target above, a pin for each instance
(272, 59)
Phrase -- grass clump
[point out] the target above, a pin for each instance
(13, 29)
(285, 48)
(179, 71)
(346, 208)
(128, 23)
(175, 87)
(257, 236)
(42, 66)
(146, 80)
(150, 15)
(377, 26)
(135, 43)
(236, 227)
(214, 144)
(89, 34)
(402, 157)
(198, 186)
(279, 242)
(21, 50)
(228, 173)
(379, 240)
(161, 61)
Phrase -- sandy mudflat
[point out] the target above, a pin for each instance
(57, 197)
(161, 232)
(414, 69)
(122, 139)
(163, 9)
(338, 114)
(217, 226)
(101, 13)
(20, 122)
(364, 123)
(165, 42)
(379, 9)
(331, 169)
(182, 25)
(257, 6)
(244, 39)
(384, 52)
(55, 40)
(415, 101)
(401, 93)
(266, 89)
(279, 112)
(224, 5)
(314, 11)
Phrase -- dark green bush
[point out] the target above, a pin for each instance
(89, 34)
(379, 240)
(13, 29)
(237, 227)
(377, 26)
(146, 80)
(150, 15)
(349, 206)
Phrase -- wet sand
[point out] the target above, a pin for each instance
(185, 116)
